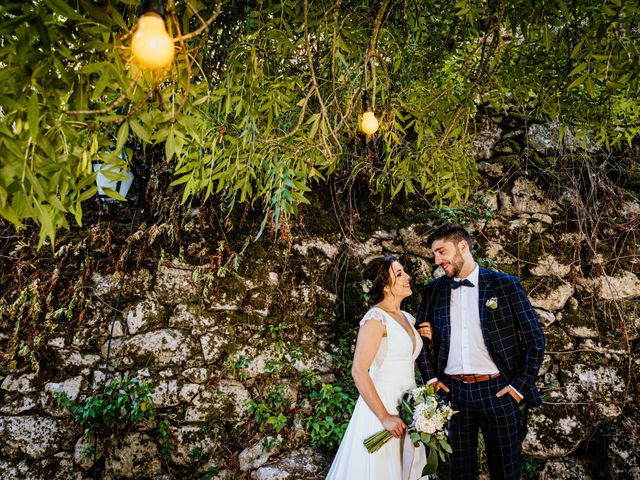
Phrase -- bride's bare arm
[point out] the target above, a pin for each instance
(369, 338)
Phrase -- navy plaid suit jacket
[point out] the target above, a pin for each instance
(511, 332)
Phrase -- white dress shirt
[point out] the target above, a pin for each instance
(467, 352)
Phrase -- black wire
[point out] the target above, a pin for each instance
(119, 299)
(113, 322)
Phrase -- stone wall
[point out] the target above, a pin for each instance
(290, 303)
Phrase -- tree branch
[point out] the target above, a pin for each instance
(336, 103)
(300, 119)
(377, 24)
(205, 26)
(116, 103)
(387, 77)
(132, 112)
(196, 13)
(187, 63)
(314, 82)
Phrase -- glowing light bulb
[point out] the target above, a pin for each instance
(151, 45)
(369, 124)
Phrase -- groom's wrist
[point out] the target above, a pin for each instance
(520, 396)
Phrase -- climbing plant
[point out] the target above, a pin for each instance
(123, 404)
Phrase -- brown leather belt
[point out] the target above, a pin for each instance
(475, 378)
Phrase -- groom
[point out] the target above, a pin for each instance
(487, 348)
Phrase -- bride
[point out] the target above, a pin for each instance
(383, 369)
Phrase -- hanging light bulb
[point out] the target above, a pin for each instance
(151, 45)
(369, 123)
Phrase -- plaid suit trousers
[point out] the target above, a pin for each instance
(499, 420)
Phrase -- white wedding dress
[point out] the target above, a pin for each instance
(392, 372)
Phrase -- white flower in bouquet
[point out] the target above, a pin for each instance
(427, 417)
(416, 392)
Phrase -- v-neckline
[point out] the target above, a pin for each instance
(413, 336)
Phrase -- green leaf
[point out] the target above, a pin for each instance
(113, 194)
(117, 18)
(123, 135)
(47, 228)
(614, 85)
(432, 462)
(170, 145)
(33, 115)
(578, 81)
(315, 122)
(445, 446)
(103, 80)
(140, 131)
(547, 37)
(10, 215)
(76, 210)
(96, 12)
(589, 85)
(10, 25)
(62, 8)
(55, 202)
(578, 69)
(565, 11)
(576, 49)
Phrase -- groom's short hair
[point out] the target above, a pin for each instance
(452, 232)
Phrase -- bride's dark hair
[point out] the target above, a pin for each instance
(376, 271)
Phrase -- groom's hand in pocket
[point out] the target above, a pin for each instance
(508, 390)
(394, 425)
(438, 386)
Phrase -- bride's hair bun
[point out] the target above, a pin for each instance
(376, 271)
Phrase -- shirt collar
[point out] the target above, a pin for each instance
(473, 276)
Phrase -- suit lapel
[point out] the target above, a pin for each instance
(485, 293)
(445, 298)
(445, 321)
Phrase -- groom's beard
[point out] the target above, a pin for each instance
(457, 263)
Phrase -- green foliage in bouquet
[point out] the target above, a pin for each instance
(427, 417)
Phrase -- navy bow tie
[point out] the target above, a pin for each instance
(462, 283)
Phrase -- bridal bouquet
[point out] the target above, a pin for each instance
(426, 417)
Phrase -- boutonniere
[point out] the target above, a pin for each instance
(492, 303)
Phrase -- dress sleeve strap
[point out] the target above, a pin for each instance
(374, 314)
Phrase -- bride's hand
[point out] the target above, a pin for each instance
(394, 424)
(424, 329)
